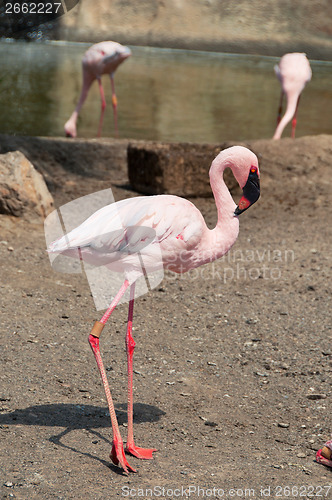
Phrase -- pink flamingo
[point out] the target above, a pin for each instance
(101, 58)
(293, 72)
(169, 232)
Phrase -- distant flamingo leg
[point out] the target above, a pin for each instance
(115, 105)
(294, 121)
(117, 454)
(144, 453)
(103, 106)
(280, 107)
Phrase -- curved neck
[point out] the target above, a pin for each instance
(223, 198)
(292, 102)
(216, 242)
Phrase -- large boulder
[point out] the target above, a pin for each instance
(23, 191)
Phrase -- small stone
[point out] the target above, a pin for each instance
(9, 484)
(209, 423)
(251, 321)
(283, 425)
(301, 455)
(316, 396)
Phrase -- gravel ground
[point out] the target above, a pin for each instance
(232, 379)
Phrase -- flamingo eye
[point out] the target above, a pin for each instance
(253, 169)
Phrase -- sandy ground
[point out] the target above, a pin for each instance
(227, 363)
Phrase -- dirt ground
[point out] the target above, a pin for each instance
(232, 364)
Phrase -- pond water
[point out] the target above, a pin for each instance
(166, 95)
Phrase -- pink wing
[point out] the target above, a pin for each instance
(129, 225)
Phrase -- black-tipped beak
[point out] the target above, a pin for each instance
(251, 192)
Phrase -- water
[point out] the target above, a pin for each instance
(166, 95)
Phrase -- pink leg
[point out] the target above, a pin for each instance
(294, 119)
(117, 454)
(280, 107)
(103, 106)
(145, 453)
(115, 106)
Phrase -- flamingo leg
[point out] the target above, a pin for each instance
(144, 453)
(115, 105)
(280, 107)
(294, 121)
(117, 454)
(103, 106)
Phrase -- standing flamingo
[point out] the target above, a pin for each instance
(169, 232)
(293, 72)
(99, 59)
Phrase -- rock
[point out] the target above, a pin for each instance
(283, 425)
(316, 396)
(22, 189)
(174, 168)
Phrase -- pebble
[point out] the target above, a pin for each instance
(301, 455)
(251, 321)
(210, 423)
(9, 484)
(283, 425)
(316, 396)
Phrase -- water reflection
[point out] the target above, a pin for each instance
(163, 94)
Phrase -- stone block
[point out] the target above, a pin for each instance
(174, 168)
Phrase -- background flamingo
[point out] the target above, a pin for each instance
(167, 231)
(101, 58)
(293, 72)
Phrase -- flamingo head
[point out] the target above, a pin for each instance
(250, 191)
(70, 128)
(244, 165)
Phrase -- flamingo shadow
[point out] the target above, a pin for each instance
(74, 417)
